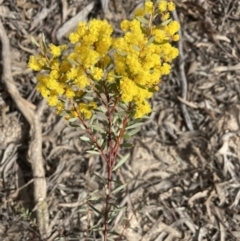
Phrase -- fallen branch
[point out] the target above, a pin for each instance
(31, 113)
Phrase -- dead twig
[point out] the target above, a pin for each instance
(72, 23)
(35, 147)
(184, 86)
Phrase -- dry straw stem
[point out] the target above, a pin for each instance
(31, 113)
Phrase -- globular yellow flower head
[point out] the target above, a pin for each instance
(127, 68)
(148, 7)
(55, 50)
(171, 6)
(37, 63)
(162, 6)
(144, 52)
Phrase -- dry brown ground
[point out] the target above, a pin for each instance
(183, 177)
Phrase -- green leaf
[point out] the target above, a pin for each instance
(134, 125)
(84, 138)
(92, 119)
(121, 162)
(93, 192)
(152, 90)
(82, 127)
(105, 181)
(117, 77)
(119, 188)
(115, 132)
(112, 89)
(43, 38)
(150, 41)
(80, 96)
(103, 109)
(74, 125)
(88, 97)
(126, 136)
(82, 209)
(163, 42)
(115, 118)
(127, 145)
(116, 208)
(69, 81)
(142, 20)
(133, 132)
(72, 62)
(95, 228)
(166, 22)
(140, 86)
(97, 128)
(44, 43)
(146, 116)
(121, 113)
(122, 53)
(107, 191)
(72, 119)
(111, 219)
(135, 47)
(93, 198)
(101, 115)
(100, 141)
(93, 152)
(96, 210)
(113, 233)
(34, 42)
(63, 113)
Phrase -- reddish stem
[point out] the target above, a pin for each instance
(108, 193)
(110, 166)
(110, 158)
(94, 140)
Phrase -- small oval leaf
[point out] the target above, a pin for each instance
(84, 138)
(121, 162)
(166, 22)
(142, 20)
(134, 131)
(97, 128)
(134, 125)
(150, 41)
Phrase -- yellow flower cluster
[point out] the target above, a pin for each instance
(143, 54)
(68, 76)
(135, 65)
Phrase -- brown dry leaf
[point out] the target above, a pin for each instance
(159, 227)
(193, 67)
(206, 85)
(188, 103)
(72, 23)
(227, 68)
(41, 16)
(222, 37)
(5, 12)
(196, 196)
(64, 10)
(26, 5)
